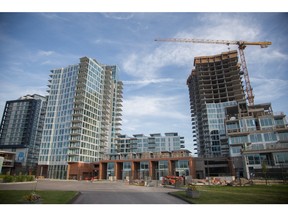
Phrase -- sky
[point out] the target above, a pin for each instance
(155, 94)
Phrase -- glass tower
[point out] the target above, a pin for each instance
(21, 130)
(79, 124)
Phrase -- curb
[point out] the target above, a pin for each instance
(179, 197)
(74, 198)
(11, 183)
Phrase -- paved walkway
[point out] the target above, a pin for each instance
(102, 192)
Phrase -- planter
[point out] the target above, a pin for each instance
(192, 193)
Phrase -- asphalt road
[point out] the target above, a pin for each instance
(102, 192)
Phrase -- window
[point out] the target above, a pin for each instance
(250, 122)
(163, 165)
(183, 164)
(232, 126)
(236, 150)
(110, 166)
(279, 122)
(281, 157)
(255, 138)
(238, 140)
(283, 136)
(270, 137)
(144, 165)
(253, 159)
(257, 146)
(127, 166)
(266, 122)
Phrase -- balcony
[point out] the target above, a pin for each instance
(119, 105)
(76, 133)
(78, 102)
(268, 147)
(74, 145)
(75, 120)
(118, 118)
(71, 153)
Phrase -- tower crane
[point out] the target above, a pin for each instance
(241, 46)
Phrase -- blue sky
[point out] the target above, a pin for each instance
(155, 95)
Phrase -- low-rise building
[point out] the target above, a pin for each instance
(258, 137)
(7, 162)
(154, 143)
(153, 165)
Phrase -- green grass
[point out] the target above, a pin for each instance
(257, 194)
(47, 197)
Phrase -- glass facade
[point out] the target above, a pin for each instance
(21, 129)
(182, 167)
(144, 169)
(82, 116)
(163, 168)
(216, 127)
(262, 137)
(110, 169)
(126, 170)
(57, 125)
(155, 143)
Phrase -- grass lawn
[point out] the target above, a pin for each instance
(257, 194)
(47, 197)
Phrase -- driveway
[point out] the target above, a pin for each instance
(102, 192)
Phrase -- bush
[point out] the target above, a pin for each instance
(30, 178)
(20, 178)
(8, 178)
(32, 197)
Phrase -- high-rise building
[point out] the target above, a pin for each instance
(214, 84)
(82, 119)
(233, 137)
(21, 130)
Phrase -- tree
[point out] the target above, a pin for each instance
(264, 170)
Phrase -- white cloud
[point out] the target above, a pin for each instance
(267, 90)
(147, 81)
(14, 91)
(45, 53)
(148, 63)
(54, 16)
(118, 16)
(156, 114)
(143, 106)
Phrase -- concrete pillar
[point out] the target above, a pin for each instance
(118, 170)
(102, 170)
(171, 167)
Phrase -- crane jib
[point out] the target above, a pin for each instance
(241, 47)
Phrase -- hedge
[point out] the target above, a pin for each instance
(19, 178)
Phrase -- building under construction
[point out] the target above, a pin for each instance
(214, 84)
(230, 132)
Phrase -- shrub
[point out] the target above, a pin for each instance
(8, 178)
(20, 178)
(191, 187)
(32, 197)
(30, 178)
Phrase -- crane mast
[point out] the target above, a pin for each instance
(241, 46)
